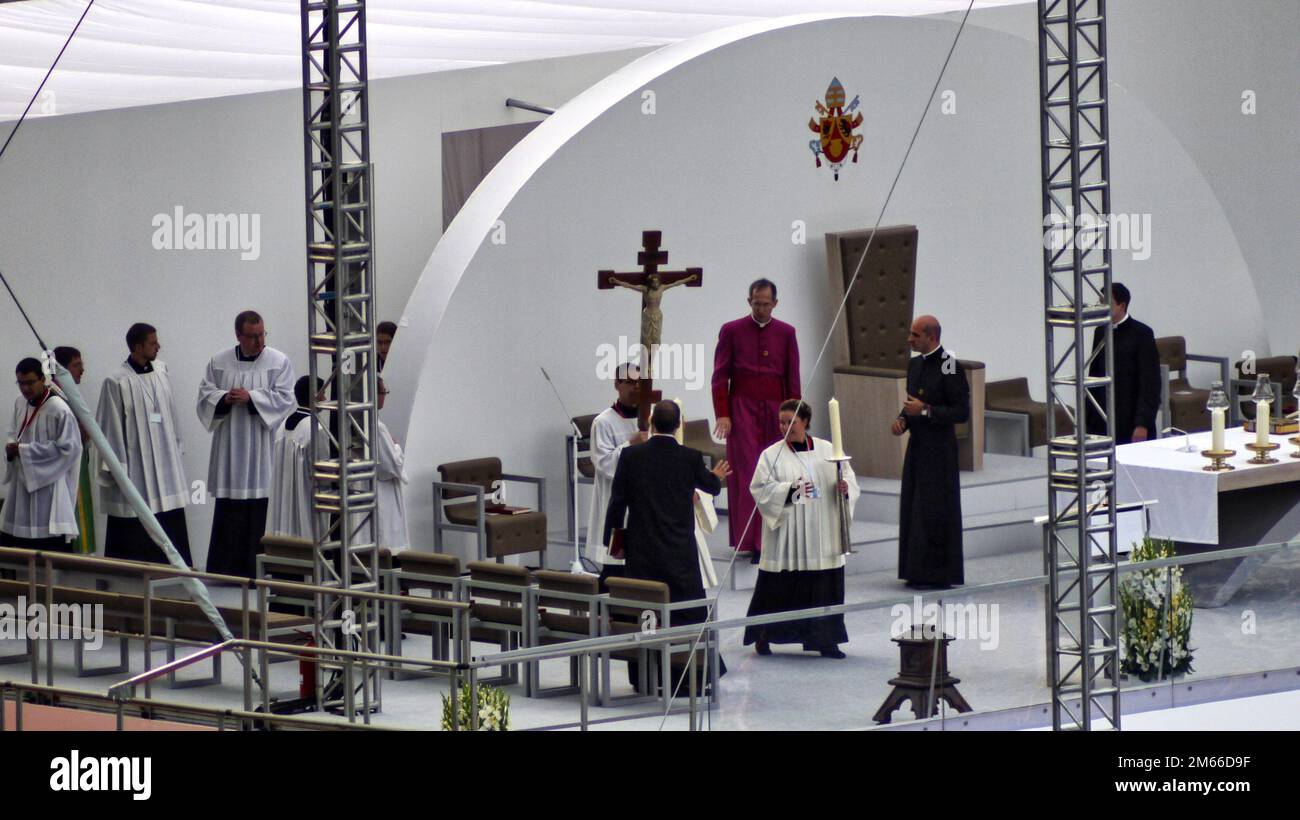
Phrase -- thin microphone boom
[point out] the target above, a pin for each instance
(576, 566)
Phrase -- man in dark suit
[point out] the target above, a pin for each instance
(1136, 377)
(929, 523)
(654, 486)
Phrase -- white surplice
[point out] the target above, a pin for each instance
(42, 480)
(706, 519)
(610, 432)
(243, 443)
(804, 535)
(288, 511)
(137, 413)
(390, 484)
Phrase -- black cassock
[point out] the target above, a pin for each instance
(929, 532)
(1136, 378)
(654, 485)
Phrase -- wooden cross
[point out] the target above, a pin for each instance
(651, 282)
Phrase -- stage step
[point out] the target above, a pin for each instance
(1007, 483)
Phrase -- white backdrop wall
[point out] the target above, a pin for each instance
(80, 193)
(723, 168)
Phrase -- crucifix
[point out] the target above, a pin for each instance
(651, 283)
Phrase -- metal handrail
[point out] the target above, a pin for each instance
(129, 685)
(669, 635)
(162, 570)
(120, 705)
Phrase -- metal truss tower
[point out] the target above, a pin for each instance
(341, 327)
(1083, 633)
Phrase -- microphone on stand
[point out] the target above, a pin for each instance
(1187, 442)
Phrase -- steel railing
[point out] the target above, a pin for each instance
(584, 650)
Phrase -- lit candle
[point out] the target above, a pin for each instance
(681, 425)
(837, 441)
(1261, 424)
(1216, 430)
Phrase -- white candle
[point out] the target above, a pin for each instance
(1216, 430)
(681, 425)
(1261, 424)
(837, 441)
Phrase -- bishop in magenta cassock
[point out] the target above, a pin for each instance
(755, 368)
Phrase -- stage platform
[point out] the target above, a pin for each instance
(1002, 673)
(998, 504)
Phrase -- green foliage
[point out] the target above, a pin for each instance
(1156, 616)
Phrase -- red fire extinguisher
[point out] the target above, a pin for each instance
(307, 674)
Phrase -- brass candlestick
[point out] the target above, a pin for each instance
(1262, 451)
(1218, 460)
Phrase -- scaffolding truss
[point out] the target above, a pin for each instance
(341, 328)
(1083, 634)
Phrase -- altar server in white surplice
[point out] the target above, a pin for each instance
(289, 507)
(802, 563)
(43, 462)
(390, 484)
(611, 432)
(137, 413)
(245, 395)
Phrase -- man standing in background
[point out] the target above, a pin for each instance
(1136, 377)
(755, 368)
(70, 359)
(42, 454)
(137, 413)
(244, 397)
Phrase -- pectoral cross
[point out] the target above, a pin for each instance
(651, 283)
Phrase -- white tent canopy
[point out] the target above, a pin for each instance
(141, 52)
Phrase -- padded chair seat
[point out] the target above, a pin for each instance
(697, 435)
(1012, 396)
(506, 534)
(497, 614)
(1187, 406)
(569, 582)
(585, 468)
(563, 622)
(428, 563)
(465, 514)
(514, 534)
(1279, 369)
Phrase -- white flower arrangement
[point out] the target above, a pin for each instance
(493, 710)
(1151, 648)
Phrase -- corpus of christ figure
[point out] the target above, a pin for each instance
(651, 283)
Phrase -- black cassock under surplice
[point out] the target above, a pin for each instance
(929, 532)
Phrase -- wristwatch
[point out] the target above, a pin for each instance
(925, 411)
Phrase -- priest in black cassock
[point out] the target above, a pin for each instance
(938, 399)
(1136, 377)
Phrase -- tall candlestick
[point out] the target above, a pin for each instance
(837, 441)
(681, 423)
(1261, 424)
(1216, 430)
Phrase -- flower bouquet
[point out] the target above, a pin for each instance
(1156, 616)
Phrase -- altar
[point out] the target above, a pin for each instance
(1203, 511)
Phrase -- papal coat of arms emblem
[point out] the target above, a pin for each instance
(834, 126)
